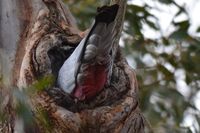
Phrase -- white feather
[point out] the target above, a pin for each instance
(66, 75)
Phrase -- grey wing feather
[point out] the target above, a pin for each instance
(66, 75)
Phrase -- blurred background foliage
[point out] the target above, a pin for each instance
(166, 57)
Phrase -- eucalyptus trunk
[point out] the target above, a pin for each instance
(36, 37)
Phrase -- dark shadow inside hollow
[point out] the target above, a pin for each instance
(57, 56)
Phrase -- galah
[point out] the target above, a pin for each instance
(88, 69)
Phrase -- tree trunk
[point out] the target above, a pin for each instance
(36, 37)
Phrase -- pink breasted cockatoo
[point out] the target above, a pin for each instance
(88, 69)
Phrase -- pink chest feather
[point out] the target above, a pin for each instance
(92, 84)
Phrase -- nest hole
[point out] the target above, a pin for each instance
(111, 94)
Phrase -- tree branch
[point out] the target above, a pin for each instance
(48, 41)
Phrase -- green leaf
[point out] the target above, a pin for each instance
(179, 35)
(165, 71)
(165, 41)
(152, 25)
(166, 1)
(198, 29)
(44, 83)
(22, 107)
(182, 24)
(135, 8)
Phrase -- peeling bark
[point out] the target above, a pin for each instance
(46, 36)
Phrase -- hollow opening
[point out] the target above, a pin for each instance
(111, 93)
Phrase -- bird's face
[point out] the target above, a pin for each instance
(87, 70)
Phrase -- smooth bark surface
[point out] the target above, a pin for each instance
(36, 37)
